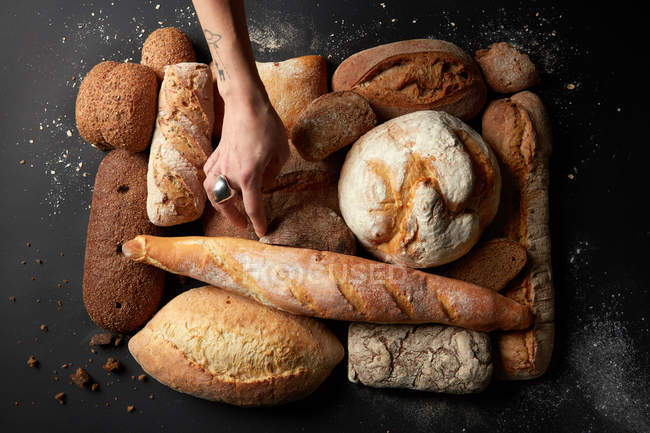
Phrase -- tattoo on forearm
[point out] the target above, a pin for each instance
(213, 41)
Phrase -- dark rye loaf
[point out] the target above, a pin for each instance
(119, 295)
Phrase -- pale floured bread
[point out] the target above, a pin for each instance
(219, 346)
(419, 189)
(181, 145)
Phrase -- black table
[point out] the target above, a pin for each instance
(595, 86)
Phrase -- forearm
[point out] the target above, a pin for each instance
(226, 32)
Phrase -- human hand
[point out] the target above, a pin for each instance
(251, 152)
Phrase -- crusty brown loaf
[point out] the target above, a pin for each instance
(119, 295)
(519, 131)
(492, 264)
(223, 347)
(311, 226)
(331, 122)
(419, 74)
(88, 104)
(127, 109)
(330, 285)
(505, 69)
(291, 85)
(426, 358)
(181, 145)
(166, 46)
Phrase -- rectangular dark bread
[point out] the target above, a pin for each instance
(119, 295)
(330, 285)
(518, 129)
(418, 74)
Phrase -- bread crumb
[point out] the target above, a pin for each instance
(118, 341)
(21, 162)
(94, 387)
(12, 299)
(101, 339)
(571, 176)
(39, 261)
(80, 377)
(142, 378)
(23, 262)
(130, 409)
(32, 361)
(68, 133)
(150, 396)
(157, 7)
(66, 365)
(571, 86)
(60, 397)
(111, 365)
(43, 327)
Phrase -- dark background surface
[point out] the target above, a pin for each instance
(594, 84)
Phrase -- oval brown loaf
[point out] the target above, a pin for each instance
(331, 122)
(127, 109)
(518, 128)
(418, 74)
(119, 295)
(88, 104)
(222, 347)
(166, 46)
(505, 69)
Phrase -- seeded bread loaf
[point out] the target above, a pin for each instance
(222, 347)
(518, 129)
(419, 74)
(166, 46)
(119, 295)
(181, 145)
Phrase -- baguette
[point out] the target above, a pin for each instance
(518, 129)
(181, 145)
(330, 285)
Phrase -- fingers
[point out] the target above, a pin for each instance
(209, 164)
(253, 203)
(227, 208)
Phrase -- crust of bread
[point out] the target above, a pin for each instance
(355, 72)
(519, 131)
(285, 361)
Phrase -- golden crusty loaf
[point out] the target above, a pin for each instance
(222, 347)
(330, 285)
(419, 189)
(181, 145)
(419, 74)
(89, 102)
(492, 264)
(119, 295)
(431, 358)
(166, 46)
(311, 226)
(331, 122)
(116, 106)
(505, 69)
(518, 129)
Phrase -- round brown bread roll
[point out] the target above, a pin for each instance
(88, 104)
(119, 295)
(166, 46)
(419, 189)
(127, 109)
(505, 69)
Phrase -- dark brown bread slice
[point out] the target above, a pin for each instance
(331, 122)
(166, 46)
(128, 108)
(419, 74)
(505, 69)
(311, 226)
(119, 295)
(518, 129)
(492, 264)
(88, 104)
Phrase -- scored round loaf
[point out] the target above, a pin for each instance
(418, 74)
(127, 109)
(119, 295)
(223, 347)
(166, 46)
(419, 189)
(331, 122)
(88, 104)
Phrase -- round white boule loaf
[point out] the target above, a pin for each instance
(419, 189)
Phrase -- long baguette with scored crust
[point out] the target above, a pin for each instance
(518, 129)
(330, 285)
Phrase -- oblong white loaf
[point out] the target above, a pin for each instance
(180, 146)
(419, 189)
(222, 347)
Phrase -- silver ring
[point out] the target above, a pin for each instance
(221, 191)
